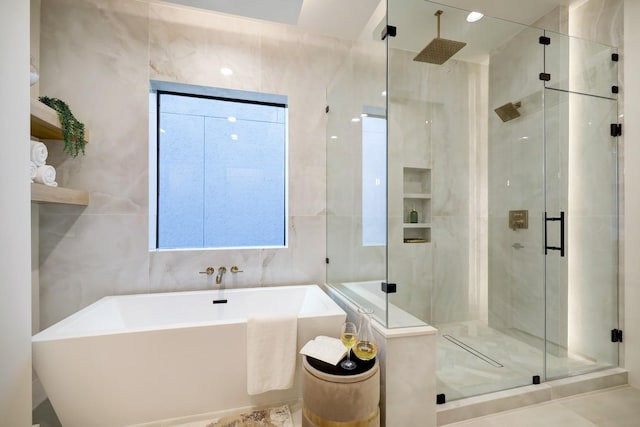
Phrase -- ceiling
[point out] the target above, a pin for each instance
(522, 11)
(363, 19)
(347, 18)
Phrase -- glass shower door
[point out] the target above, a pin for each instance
(581, 224)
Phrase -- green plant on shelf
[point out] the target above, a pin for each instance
(72, 129)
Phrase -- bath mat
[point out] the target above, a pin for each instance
(271, 417)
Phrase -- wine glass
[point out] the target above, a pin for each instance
(366, 347)
(348, 336)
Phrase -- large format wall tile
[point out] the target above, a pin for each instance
(99, 56)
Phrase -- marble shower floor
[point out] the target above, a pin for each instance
(495, 360)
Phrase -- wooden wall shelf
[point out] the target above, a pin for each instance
(45, 123)
(46, 194)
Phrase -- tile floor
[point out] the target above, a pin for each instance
(612, 407)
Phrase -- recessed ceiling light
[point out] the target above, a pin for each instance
(234, 136)
(226, 71)
(334, 136)
(474, 16)
(364, 115)
(231, 119)
(384, 93)
(355, 119)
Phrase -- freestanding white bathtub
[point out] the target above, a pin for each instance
(139, 358)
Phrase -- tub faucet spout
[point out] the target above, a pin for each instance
(221, 272)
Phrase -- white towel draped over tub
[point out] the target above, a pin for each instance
(39, 153)
(271, 352)
(46, 175)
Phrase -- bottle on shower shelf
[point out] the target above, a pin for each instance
(413, 216)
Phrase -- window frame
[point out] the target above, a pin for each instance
(159, 88)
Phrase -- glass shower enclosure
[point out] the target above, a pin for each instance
(478, 195)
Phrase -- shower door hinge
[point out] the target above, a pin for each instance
(535, 379)
(326, 260)
(326, 109)
(388, 288)
(616, 335)
(545, 77)
(616, 129)
(389, 30)
(615, 89)
(441, 399)
(544, 40)
(615, 57)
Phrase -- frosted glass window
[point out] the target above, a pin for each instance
(221, 172)
(374, 182)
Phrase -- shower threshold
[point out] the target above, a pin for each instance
(491, 403)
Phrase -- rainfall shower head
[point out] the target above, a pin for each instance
(439, 50)
(508, 111)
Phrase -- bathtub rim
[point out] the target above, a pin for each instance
(54, 333)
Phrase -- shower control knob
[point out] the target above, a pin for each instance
(235, 269)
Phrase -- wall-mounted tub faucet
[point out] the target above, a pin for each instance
(221, 272)
(209, 271)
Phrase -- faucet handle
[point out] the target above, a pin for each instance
(209, 271)
(235, 269)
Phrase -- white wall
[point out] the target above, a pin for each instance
(15, 219)
(631, 131)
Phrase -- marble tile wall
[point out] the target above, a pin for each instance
(99, 56)
(94, 55)
(439, 130)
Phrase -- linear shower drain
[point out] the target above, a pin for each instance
(473, 351)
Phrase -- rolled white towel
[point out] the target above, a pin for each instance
(33, 168)
(46, 174)
(39, 153)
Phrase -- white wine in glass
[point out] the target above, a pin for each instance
(348, 336)
(365, 350)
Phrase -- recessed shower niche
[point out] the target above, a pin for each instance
(416, 209)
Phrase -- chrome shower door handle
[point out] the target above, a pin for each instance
(546, 245)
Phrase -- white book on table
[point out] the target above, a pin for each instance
(327, 349)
